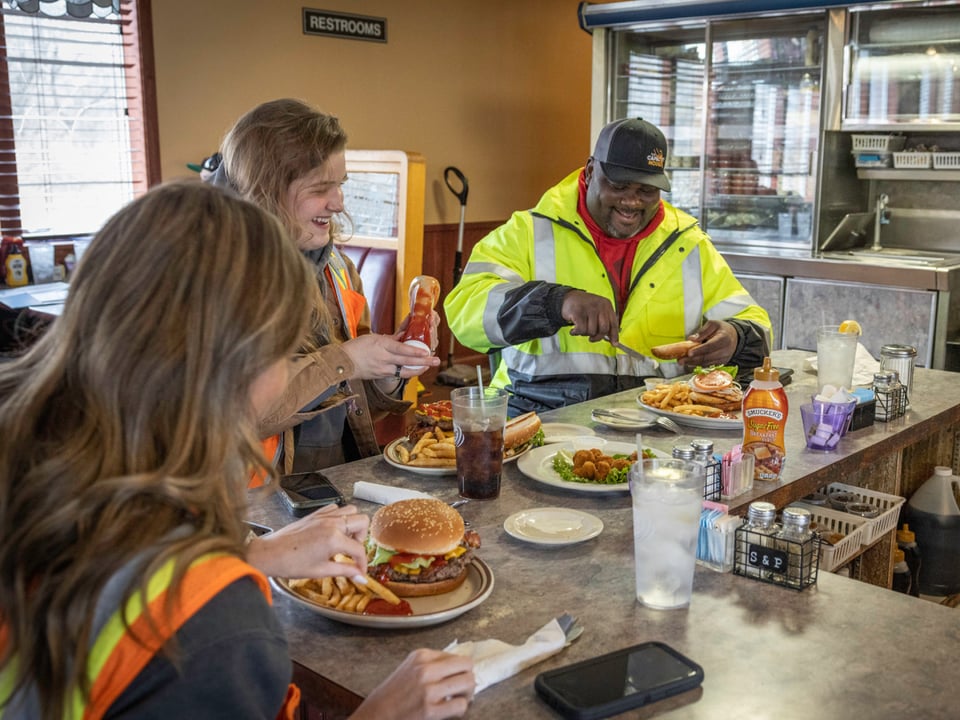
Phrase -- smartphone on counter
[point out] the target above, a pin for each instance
(303, 493)
(618, 681)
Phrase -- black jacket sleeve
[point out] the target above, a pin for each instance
(532, 311)
(751, 348)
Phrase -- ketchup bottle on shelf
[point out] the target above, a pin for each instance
(764, 422)
(424, 294)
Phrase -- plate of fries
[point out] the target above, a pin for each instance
(673, 400)
(334, 597)
(433, 454)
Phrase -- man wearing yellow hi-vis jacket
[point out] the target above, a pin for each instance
(602, 259)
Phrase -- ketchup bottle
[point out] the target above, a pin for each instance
(424, 293)
(764, 422)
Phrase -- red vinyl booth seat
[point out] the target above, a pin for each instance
(378, 271)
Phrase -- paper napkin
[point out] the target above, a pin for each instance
(384, 494)
(495, 660)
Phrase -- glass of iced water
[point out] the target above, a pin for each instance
(836, 355)
(667, 497)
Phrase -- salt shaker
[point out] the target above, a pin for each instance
(758, 531)
(703, 452)
(900, 358)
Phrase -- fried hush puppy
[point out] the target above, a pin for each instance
(594, 465)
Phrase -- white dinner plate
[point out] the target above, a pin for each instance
(553, 526)
(392, 458)
(430, 610)
(538, 465)
(564, 432)
(696, 421)
(630, 419)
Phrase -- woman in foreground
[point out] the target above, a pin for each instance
(127, 436)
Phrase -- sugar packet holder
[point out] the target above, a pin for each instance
(736, 473)
(715, 542)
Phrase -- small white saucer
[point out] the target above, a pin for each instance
(563, 432)
(553, 526)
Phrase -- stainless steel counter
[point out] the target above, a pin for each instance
(942, 276)
(841, 649)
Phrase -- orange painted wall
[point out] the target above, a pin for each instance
(498, 88)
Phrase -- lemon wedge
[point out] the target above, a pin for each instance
(851, 326)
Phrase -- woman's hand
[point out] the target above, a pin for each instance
(377, 357)
(304, 548)
(428, 684)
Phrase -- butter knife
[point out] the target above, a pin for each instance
(628, 350)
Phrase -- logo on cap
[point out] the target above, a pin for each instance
(656, 159)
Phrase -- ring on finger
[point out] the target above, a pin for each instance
(397, 373)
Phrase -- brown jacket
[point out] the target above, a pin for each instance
(320, 403)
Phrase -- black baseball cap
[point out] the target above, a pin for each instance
(633, 151)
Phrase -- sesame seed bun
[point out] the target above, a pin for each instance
(422, 526)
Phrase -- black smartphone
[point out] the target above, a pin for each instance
(303, 493)
(618, 681)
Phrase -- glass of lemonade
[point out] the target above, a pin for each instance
(836, 355)
(479, 416)
(667, 497)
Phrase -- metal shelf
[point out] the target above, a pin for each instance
(895, 174)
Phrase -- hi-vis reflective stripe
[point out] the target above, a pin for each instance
(495, 299)
(117, 656)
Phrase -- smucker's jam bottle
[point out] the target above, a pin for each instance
(764, 422)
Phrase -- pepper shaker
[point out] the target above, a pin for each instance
(900, 358)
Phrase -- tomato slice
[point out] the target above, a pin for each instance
(712, 381)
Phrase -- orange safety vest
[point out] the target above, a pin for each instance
(117, 656)
(350, 302)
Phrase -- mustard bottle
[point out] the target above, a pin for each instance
(16, 265)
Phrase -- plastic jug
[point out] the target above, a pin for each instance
(934, 516)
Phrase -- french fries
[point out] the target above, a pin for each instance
(675, 397)
(434, 449)
(340, 592)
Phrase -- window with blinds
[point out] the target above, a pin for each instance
(72, 141)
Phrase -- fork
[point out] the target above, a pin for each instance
(571, 626)
(668, 424)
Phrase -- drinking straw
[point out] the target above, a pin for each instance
(480, 385)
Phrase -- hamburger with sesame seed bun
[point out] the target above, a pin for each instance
(418, 547)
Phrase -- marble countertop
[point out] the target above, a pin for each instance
(840, 649)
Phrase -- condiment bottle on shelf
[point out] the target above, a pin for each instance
(907, 541)
(16, 266)
(901, 572)
(764, 422)
(424, 294)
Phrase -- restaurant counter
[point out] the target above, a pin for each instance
(842, 648)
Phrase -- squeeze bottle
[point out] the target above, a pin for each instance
(907, 542)
(16, 266)
(424, 293)
(764, 421)
(901, 572)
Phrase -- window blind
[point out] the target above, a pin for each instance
(73, 142)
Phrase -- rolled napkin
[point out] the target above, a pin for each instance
(384, 494)
(495, 660)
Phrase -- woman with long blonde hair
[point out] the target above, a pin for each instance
(289, 158)
(127, 435)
